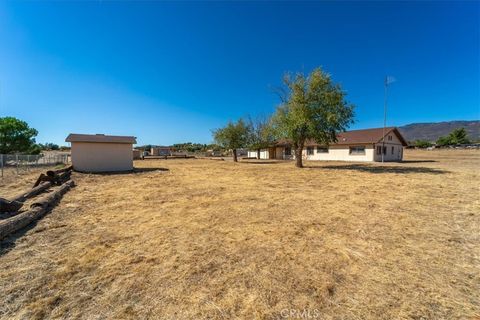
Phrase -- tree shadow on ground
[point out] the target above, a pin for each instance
(141, 170)
(382, 169)
(134, 171)
(418, 161)
(260, 162)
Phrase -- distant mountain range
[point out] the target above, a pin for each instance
(432, 131)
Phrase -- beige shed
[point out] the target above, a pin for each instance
(101, 153)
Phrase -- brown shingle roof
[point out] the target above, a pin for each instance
(364, 136)
(100, 138)
(367, 136)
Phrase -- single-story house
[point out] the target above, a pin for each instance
(160, 151)
(355, 145)
(101, 153)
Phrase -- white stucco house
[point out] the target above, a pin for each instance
(355, 145)
(101, 153)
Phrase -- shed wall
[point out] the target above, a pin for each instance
(101, 157)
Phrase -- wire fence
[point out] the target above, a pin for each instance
(24, 162)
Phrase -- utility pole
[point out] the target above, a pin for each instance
(388, 80)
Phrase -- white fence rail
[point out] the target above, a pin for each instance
(23, 162)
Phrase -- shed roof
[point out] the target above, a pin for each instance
(364, 136)
(100, 138)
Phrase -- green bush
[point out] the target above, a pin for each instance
(423, 144)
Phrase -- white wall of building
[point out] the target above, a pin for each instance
(335, 153)
(340, 153)
(101, 157)
(393, 148)
(263, 154)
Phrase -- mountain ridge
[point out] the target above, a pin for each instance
(431, 131)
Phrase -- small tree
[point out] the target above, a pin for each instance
(313, 107)
(260, 134)
(459, 136)
(17, 136)
(233, 136)
(49, 146)
(443, 141)
(423, 144)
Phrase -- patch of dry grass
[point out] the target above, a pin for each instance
(214, 239)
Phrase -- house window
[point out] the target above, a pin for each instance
(389, 138)
(379, 150)
(309, 151)
(393, 149)
(322, 149)
(288, 151)
(358, 150)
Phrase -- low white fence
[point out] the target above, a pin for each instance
(23, 162)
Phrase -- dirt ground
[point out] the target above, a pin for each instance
(203, 239)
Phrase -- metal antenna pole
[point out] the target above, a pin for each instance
(384, 119)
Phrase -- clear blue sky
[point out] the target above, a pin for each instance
(169, 72)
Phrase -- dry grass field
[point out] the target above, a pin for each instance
(202, 239)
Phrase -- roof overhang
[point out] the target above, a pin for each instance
(100, 138)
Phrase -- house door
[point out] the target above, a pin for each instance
(271, 153)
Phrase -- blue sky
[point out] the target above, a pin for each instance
(170, 72)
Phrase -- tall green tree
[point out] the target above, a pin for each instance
(457, 136)
(313, 107)
(233, 136)
(16, 136)
(261, 134)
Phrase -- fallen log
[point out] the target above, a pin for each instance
(49, 177)
(9, 206)
(52, 197)
(32, 192)
(69, 168)
(64, 176)
(37, 210)
(54, 176)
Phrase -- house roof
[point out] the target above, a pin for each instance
(368, 136)
(364, 136)
(100, 138)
